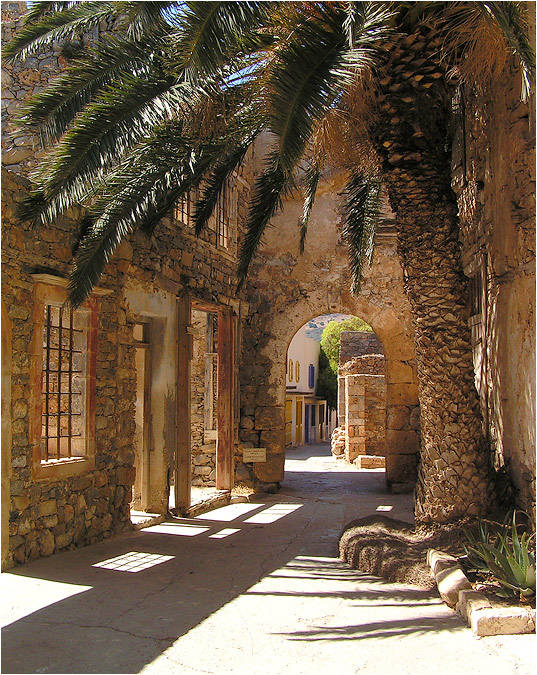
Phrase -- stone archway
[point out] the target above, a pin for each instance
(285, 291)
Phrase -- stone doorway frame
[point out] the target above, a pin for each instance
(227, 331)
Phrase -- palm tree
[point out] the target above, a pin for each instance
(174, 95)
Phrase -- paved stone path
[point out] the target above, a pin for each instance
(251, 589)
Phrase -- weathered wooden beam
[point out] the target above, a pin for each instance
(224, 443)
(182, 470)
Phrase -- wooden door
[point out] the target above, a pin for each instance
(288, 421)
(298, 424)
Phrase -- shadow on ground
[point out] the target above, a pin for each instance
(64, 614)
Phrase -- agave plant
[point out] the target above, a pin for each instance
(508, 557)
(175, 94)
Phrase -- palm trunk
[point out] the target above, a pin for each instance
(454, 475)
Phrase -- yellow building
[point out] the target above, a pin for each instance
(307, 416)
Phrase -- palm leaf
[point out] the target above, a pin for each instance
(209, 33)
(511, 19)
(266, 199)
(70, 21)
(137, 195)
(362, 199)
(215, 183)
(64, 97)
(311, 180)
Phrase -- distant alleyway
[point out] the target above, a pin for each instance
(252, 588)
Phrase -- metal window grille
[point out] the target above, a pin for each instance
(183, 209)
(476, 294)
(63, 393)
(222, 217)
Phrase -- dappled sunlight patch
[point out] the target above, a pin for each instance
(24, 595)
(179, 529)
(226, 532)
(273, 513)
(230, 512)
(133, 561)
(384, 507)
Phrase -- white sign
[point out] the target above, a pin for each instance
(254, 454)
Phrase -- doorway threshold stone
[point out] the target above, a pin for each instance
(141, 519)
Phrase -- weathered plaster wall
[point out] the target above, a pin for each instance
(285, 291)
(494, 178)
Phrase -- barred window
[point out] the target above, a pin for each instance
(222, 217)
(219, 228)
(476, 294)
(64, 382)
(182, 209)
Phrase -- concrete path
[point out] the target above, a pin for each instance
(252, 589)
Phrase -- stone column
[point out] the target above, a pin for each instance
(354, 417)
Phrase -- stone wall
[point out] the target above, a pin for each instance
(285, 291)
(365, 415)
(361, 408)
(356, 343)
(49, 515)
(494, 179)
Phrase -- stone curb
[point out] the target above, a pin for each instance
(475, 608)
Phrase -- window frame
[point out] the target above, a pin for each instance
(51, 290)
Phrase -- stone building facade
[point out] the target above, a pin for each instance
(147, 297)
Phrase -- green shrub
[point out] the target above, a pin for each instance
(499, 550)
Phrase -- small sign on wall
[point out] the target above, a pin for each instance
(254, 454)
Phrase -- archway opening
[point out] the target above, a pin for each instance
(335, 394)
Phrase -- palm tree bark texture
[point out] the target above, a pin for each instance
(412, 136)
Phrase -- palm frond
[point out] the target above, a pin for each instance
(265, 201)
(512, 20)
(54, 108)
(105, 129)
(361, 209)
(69, 22)
(299, 84)
(37, 10)
(311, 180)
(208, 33)
(215, 183)
(137, 194)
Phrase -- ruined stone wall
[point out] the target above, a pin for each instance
(494, 179)
(361, 408)
(357, 342)
(365, 415)
(367, 364)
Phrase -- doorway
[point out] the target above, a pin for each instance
(142, 437)
(205, 402)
